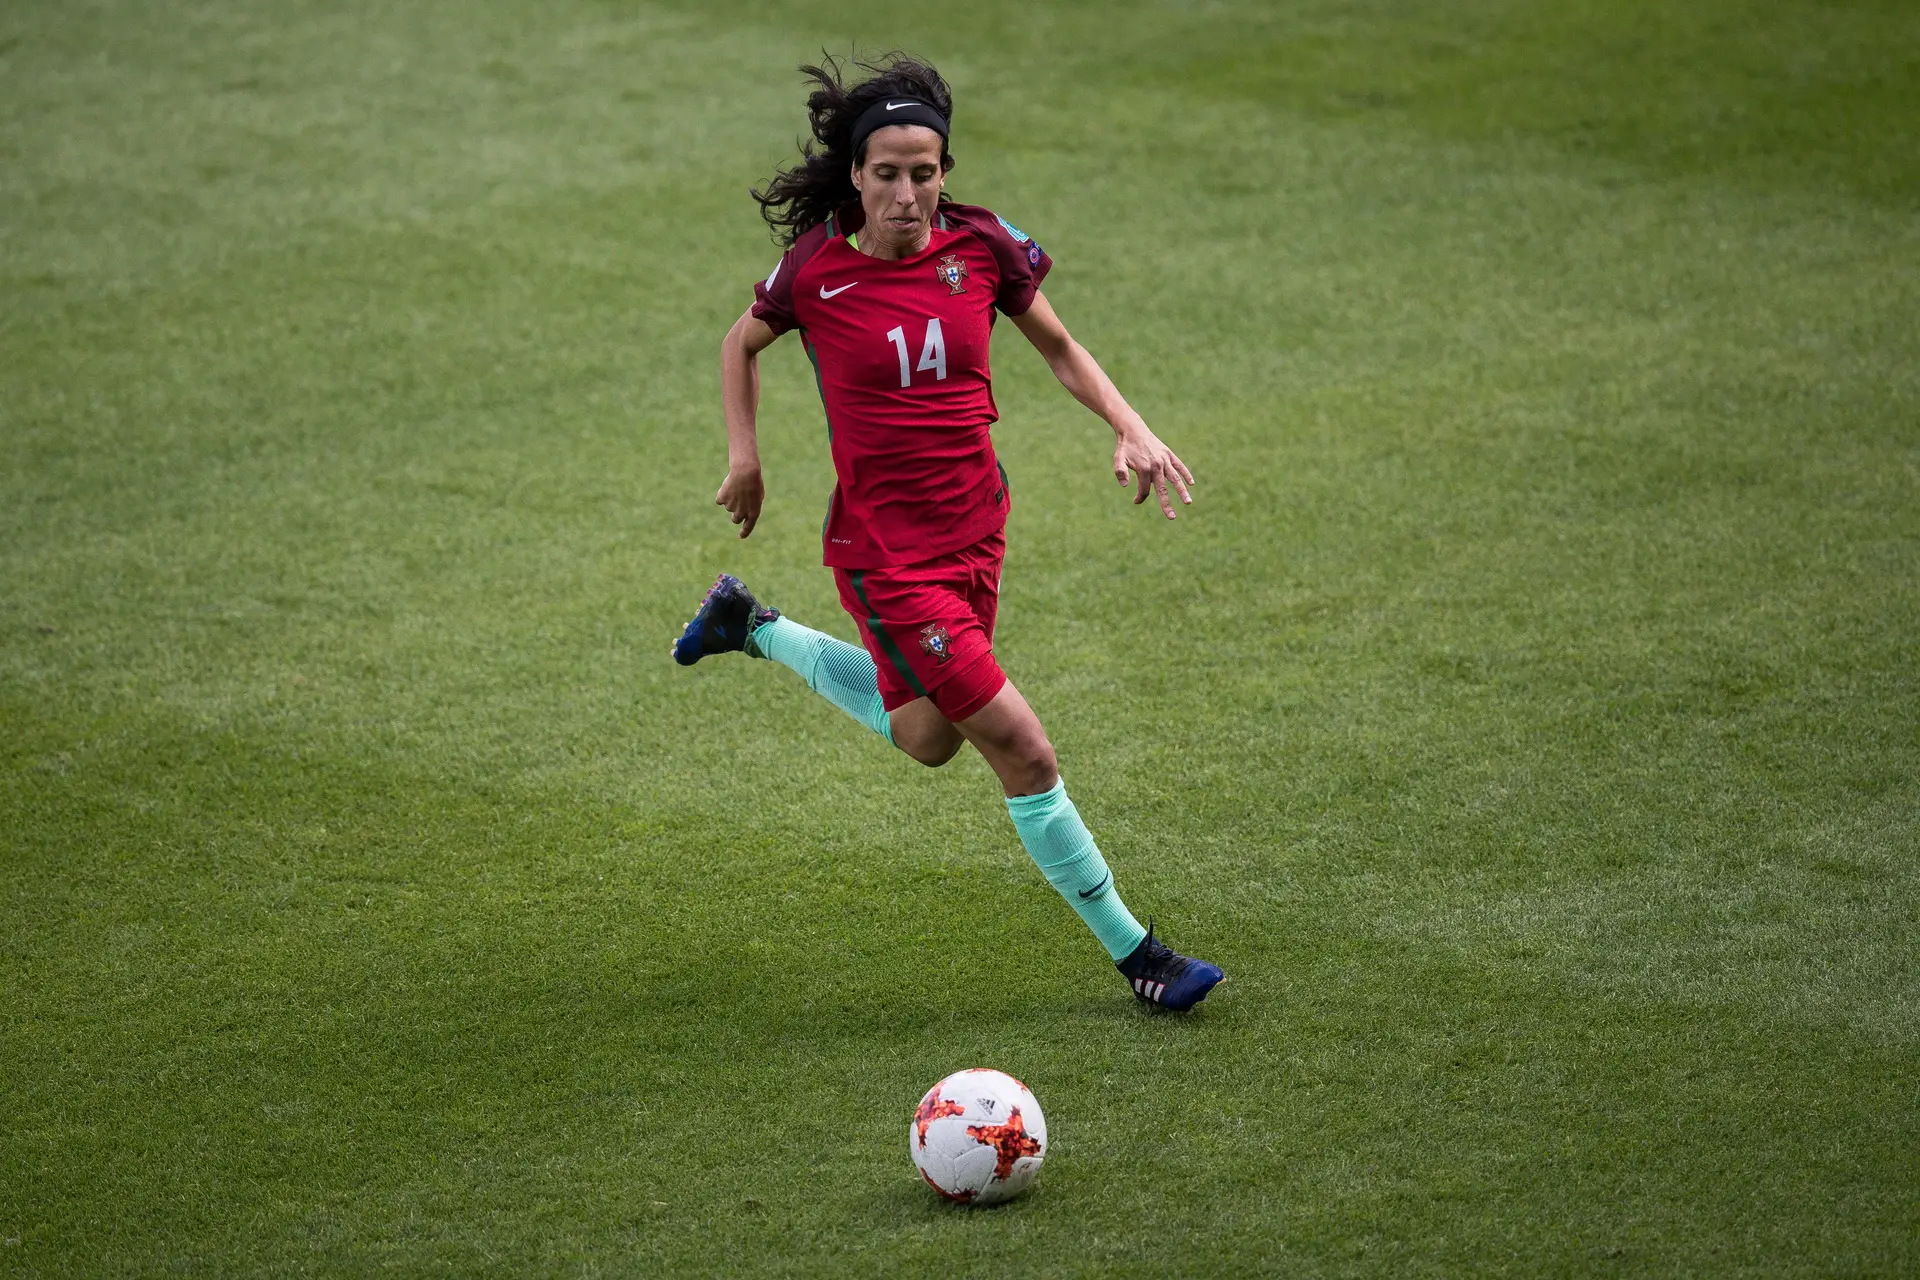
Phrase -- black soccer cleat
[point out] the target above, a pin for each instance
(724, 622)
(1162, 976)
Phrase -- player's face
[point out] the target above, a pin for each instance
(900, 186)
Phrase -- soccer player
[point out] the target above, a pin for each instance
(893, 289)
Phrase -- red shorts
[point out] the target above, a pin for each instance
(929, 626)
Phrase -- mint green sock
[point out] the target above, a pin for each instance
(1063, 848)
(841, 673)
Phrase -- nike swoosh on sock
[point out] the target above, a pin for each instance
(1104, 880)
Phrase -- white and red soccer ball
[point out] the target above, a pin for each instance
(978, 1136)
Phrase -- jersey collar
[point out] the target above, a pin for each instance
(849, 219)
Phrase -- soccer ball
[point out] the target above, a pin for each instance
(978, 1137)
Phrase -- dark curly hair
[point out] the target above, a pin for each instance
(803, 196)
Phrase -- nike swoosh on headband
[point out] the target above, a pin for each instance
(895, 106)
(828, 293)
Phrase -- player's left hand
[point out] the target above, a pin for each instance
(1154, 467)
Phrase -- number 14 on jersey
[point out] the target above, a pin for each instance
(933, 352)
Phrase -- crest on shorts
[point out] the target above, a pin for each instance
(952, 272)
(934, 640)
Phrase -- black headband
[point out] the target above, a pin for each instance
(897, 111)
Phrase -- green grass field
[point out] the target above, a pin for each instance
(1527, 715)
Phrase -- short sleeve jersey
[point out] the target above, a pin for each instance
(899, 349)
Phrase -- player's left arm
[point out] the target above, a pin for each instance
(1135, 447)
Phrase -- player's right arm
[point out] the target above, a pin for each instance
(742, 492)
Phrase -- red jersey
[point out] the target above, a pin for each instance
(900, 352)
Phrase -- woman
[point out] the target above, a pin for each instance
(894, 288)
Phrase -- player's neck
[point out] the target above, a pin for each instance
(875, 247)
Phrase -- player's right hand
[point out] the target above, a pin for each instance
(741, 493)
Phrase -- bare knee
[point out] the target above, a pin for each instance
(1030, 767)
(935, 753)
(1012, 740)
(923, 733)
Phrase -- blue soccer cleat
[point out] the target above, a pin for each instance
(1162, 976)
(726, 619)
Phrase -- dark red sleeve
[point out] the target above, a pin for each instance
(773, 297)
(1023, 263)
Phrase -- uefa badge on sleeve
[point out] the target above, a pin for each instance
(952, 272)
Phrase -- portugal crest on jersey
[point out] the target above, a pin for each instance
(952, 272)
(933, 637)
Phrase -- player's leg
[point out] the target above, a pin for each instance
(933, 624)
(923, 733)
(950, 691)
(730, 620)
(1011, 739)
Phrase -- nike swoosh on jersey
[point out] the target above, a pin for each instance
(1088, 893)
(828, 293)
